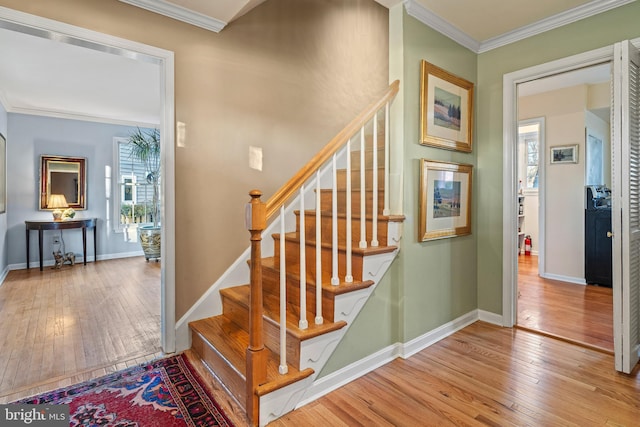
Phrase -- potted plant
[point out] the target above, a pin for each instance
(145, 147)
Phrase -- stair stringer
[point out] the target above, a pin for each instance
(279, 402)
(315, 352)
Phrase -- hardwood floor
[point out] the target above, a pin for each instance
(60, 327)
(481, 375)
(484, 375)
(577, 313)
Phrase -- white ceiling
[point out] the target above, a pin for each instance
(48, 77)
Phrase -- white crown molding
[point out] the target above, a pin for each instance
(59, 114)
(567, 17)
(430, 19)
(179, 13)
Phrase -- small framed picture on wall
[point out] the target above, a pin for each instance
(564, 154)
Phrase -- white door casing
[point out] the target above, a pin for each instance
(625, 213)
(509, 156)
(44, 27)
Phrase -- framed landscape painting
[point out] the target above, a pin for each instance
(445, 199)
(446, 109)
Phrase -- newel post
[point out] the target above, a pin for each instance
(256, 218)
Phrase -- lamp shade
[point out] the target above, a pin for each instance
(57, 201)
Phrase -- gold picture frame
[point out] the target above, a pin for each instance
(446, 109)
(445, 199)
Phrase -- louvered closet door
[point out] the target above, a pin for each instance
(625, 213)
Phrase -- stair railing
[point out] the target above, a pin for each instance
(320, 172)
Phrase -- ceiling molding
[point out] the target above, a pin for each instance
(180, 13)
(61, 114)
(427, 17)
(564, 18)
(432, 20)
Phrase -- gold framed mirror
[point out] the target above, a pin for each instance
(60, 175)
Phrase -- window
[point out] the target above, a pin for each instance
(530, 138)
(134, 195)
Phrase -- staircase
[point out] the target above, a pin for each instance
(312, 274)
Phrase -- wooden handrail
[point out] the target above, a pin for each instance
(286, 191)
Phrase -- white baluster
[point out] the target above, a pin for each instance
(374, 208)
(349, 275)
(335, 280)
(318, 320)
(385, 211)
(283, 369)
(363, 218)
(303, 323)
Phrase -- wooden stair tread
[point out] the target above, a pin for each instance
(293, 271)
(271, 307)
(235, 342)
(355, 215)
(310, 241)
(232, 342)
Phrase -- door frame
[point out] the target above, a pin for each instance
(44, 27)
(540, 192)
(509, 157)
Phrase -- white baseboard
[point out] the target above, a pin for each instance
(117, 255)
(350, 373)
(493, 318)
(568, 279)
(361, 367)
(79, 260)
(415, 345)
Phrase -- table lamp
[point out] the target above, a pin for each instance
(57, 201)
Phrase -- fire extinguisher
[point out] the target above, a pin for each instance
(527, 245)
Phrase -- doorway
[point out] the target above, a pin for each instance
(64, 33)
(568, 110)
(510, 183)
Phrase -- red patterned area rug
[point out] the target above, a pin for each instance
(164, 393)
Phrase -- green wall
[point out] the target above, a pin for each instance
(582, 36)
(438, 277)
(430, 283)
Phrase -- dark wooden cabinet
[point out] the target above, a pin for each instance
(598, 246)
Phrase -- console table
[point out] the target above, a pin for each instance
(63, 225)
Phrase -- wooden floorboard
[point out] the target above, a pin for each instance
(63, 326)
(484, 375)
(582, 314)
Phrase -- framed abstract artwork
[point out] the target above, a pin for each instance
(445, 199)
(446, 109)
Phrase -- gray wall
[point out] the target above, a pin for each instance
(33, 136)
(3, 216)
